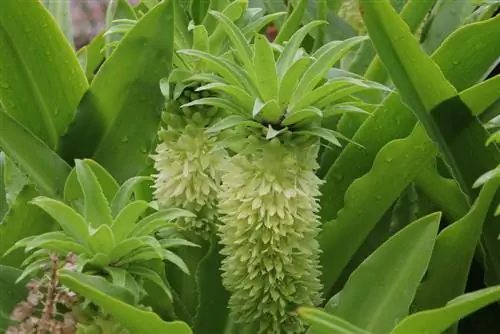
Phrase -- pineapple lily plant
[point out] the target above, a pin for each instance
(192, 176)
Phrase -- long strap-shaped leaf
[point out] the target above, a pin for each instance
(421, 83)
(41, 81)
(44, 167)
(119, 117)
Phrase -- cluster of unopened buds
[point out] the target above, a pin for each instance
(48, 307)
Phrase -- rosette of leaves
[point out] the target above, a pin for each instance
(187, 159)
(111, 232)
(277, 97)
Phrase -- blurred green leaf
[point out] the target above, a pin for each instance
(62, 13)
(324, 323)
(91, 56)
(436, 321)
(118, 118)
(446, 17)
(41, 82)
(453, 254)
(45, 168)
(397, 268)
(11, 293)
(22, 220)
(97, 210)
(134, 319)
(4, 206)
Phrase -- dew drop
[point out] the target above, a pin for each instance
(124, 139)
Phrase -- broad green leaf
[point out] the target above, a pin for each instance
(413, 13)
(62, 13)
(102, 240)
(397, 122)
(22, 220)
(15, 180)
(11, 293)
(286, 58)
(126, 247)
(124, 193)
(444, 192)
(446, 17)
(233, 11)
(91, 56)
(211, 315)
(292, 22)
(126, 219)
(69, 220)
(199, 9)
(453, 254)
(41, 82)
(200, 38)
(290, 78)
(438, 320)
(154, 277)
(483, 95)
(73, 193)
(155, 221)
(326, 134)
(118, 119)
(134, 319)
(97, 211)
(238, 39)
(238, 94)
(429, 93)
(379, 187)
(117, 10)
(175, 259)
(265, 68)
(231, 121)
(397, 266)
(45, 168)
(332, 53)
(325, 323)
(4, 206)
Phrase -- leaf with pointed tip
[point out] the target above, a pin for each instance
(125, 221)
(438, 320)
(326, 134)
(290, 78)
(134, 319)
(316, 72)
(398, 266)
(269, 111)
(257, 25)
(230, 122)
(122, 196)
(287, 56)
(199, 9)
(73, 193)
(302, 114)
(216, 102)
(97, 211)
(157, 220)
(236, 93)
(125, 247)
(325, 323)
(233, 11)
(175, 259)
(238, 39)
(152, 276)
(292, 22)
(265, 68)
(176, 242)
(102, 240)
(69, 220)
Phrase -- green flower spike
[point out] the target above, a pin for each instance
(187, 159)
(277, 97)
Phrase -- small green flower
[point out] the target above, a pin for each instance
(269, 228)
